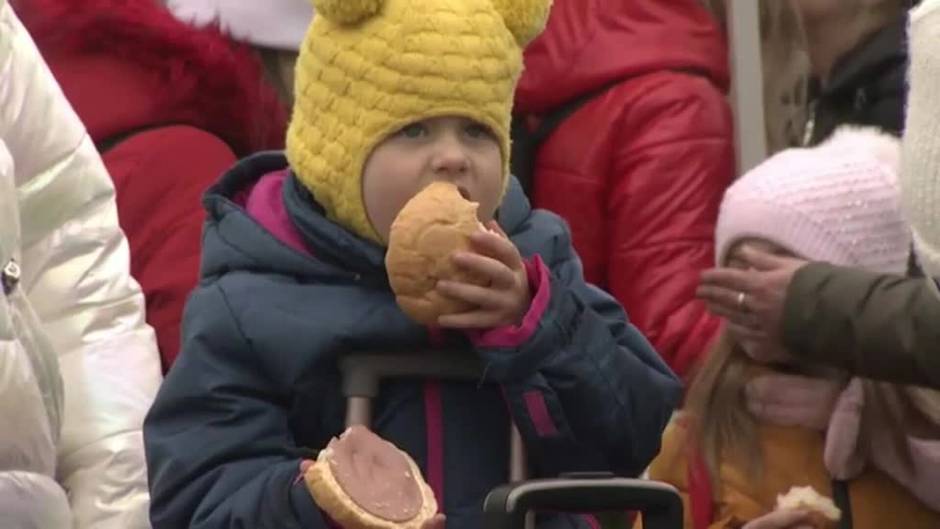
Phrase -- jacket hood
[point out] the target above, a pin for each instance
(590, 44)
(235, 241)
(127, 65)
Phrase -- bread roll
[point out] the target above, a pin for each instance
(364, 482)
(433, 225)
(823, 512)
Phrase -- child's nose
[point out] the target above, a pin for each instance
(450, 159)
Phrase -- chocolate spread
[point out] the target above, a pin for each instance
(375, 475)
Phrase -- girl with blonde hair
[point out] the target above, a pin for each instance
(757, 422)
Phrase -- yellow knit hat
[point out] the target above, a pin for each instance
(367, 68)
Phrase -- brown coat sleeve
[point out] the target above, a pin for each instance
(876, 326)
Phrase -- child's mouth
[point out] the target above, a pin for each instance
(463, 192)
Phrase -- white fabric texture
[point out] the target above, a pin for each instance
(32, 501)
(79, 367)
(279, 24)
(921, 144)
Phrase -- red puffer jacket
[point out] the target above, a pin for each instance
(171, 108)
(639, 171)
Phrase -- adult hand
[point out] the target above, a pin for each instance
(785, 519)
(793, 400)
(751, 299)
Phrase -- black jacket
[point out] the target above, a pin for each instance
(867, 87)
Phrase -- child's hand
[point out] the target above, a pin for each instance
(506, 297)
(437, 522)
(781, 520)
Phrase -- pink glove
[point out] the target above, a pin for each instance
(793, 400)
(921, 426)
(844, 455)
(922, 480)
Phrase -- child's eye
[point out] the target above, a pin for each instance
(415, 130)
(476, 130)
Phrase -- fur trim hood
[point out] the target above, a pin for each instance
(129, 64)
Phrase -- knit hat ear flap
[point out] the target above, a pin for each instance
(524, 18)
(348, 11)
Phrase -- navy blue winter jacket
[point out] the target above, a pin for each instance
(256, 389)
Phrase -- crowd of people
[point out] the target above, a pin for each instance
(196, 198)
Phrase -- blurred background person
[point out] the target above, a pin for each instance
(828, 63)
(275, 28)
(170, 107)
(639, 153)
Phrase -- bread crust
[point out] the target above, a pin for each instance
(823, 513)
(334, 501)
(431, 227)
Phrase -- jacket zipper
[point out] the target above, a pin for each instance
(809, 130)
(10, 276)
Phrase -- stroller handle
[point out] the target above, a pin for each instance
(506, 507)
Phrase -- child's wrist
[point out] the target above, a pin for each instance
(525, 279)
(514, 335)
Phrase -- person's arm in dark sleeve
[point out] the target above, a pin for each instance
(587, 390)
(219, 450)
(876, 326)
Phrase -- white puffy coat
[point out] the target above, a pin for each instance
(78, 366)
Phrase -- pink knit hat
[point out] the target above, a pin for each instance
(838, 202)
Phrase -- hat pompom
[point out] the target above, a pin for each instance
(882, 145)
(347, 11)
(525, 18)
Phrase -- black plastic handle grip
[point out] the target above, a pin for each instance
(506, 506)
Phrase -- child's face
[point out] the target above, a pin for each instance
(450, 149)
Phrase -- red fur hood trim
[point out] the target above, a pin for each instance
(129, 64)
